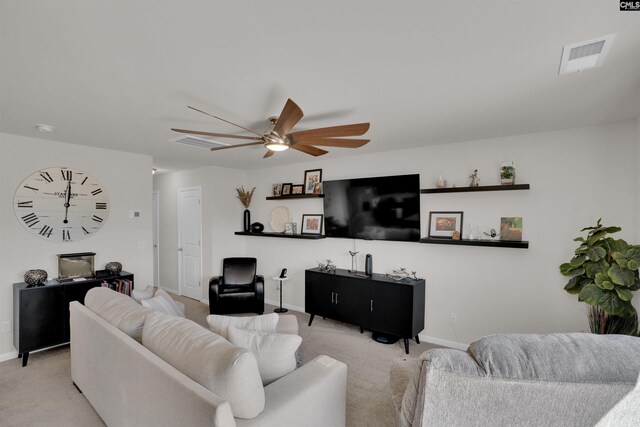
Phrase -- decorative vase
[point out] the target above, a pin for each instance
(35, 277)
(114, 268)
(257, 227)
(247, 220)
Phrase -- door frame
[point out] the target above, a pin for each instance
(180, 190)
(155, 207)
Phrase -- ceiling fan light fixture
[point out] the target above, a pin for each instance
(275, 142)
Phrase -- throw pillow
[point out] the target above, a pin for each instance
(145, 293)
(264, 323)
(164, 303)
(275, 353)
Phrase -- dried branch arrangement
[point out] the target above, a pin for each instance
(245, 196)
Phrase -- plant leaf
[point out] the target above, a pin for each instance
(611, 304)
(601, 277)
(632, 265)
(592, 268)
(578, 261)
(565, 269)
(606, 285)
(620, 276)
(624, 294)
(591, 294)
(612, 229)
(579, 239)
(578, 272)
(596, 236)
(596, 253)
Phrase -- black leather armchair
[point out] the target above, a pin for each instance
(238, 290)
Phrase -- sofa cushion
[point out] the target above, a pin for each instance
(163, 302)
(145, 293)
(574, 357)
(264, 323)
(275, 353)
(228, 371)
(118, 309)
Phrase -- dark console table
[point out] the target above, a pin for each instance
(41, 313)
(376, 303)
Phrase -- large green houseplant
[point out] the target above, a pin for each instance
(604, 273)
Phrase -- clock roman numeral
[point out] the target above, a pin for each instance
(84, 180)
(96, 218)
(30, 219)
(30, 188)
(28, 204)
(66, 236)
(85, 230)
(96, 191)
(46, 231)
(46, 177)
(101, 205)
(67, 175)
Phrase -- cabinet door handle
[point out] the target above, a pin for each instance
(332, 297)
(371, 305)
(337, 297)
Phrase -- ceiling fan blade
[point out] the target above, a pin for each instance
(269, 153)
(226, 121)
(219, 135)
(330, 132)
(334, 142)
(290, 115)
(237, 146)
(310, 149)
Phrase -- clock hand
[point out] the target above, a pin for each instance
(67, 199)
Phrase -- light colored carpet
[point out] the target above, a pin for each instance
(42, 393)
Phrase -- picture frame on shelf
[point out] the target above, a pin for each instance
(286, 189)
(511, 228)
(313, 181)
(290, 228)
(443, 224)
(297, 189)
(277, 190)
(312, 224)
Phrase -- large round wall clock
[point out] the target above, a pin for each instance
(61, 204)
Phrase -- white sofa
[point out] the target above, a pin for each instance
(129, 385)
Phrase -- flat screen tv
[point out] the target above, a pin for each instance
(380, 208)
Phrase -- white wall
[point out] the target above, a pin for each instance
(576, 177)
(221, 217)
(637, 193)
(127, 179)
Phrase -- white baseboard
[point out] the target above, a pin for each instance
(288, 306)
(446, 343)
(8, 356)
(169, 290)
(204, 301)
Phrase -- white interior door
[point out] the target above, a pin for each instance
(155, 219)
(189, 242)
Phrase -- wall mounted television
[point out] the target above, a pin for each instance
(378, 208)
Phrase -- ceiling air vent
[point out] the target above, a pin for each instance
(198, 142)
(583, 55)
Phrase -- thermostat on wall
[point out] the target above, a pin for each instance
(133, 214)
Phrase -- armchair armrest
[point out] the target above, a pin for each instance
(312, 395)
(259, 288)
(214, 287)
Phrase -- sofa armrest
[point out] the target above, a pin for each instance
(312, 395)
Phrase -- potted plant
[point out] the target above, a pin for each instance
(507, 173)
(604, 273)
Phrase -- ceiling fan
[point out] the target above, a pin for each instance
(279, 138)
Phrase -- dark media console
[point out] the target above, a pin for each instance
(41, 313)
(376, 303)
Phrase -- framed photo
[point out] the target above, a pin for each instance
(311, 224)
(511, 228)
(277, 189)
(443, 224)
(290, 228)
(297, 189)
(286, 189)
(313, 181)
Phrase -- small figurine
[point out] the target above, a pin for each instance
(442, 183)
(492, 233)
(475, 181)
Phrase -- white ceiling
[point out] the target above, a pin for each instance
(119, 74)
